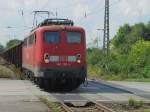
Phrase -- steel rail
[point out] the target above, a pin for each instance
(99, 107)
(102, 108)
(66, 108)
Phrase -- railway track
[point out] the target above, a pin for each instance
(65, 108)
(65, 100)
(90, 107)
(74, 102)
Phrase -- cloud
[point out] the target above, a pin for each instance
(10, 14)
(80, 10)
(134, 8)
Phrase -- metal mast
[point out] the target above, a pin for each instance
(106, 28)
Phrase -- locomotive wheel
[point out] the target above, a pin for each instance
(26, 75)
(35, 80)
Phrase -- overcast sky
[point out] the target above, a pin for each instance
(86, 13)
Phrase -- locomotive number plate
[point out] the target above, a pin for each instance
(63, 58)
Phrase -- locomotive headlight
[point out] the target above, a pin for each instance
(78, 61)
(46, 61)
(46, 58)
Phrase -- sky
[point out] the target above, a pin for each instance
(16, 16)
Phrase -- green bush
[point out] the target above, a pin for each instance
(135, 104)
(146, 110)
(128, 57)
(5, 72)
(53, 106)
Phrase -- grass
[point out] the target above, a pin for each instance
(139, 80)
(94, 72)
(147, 110)
(53, 106)
(134, 103)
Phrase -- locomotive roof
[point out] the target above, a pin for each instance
(58, 27)
(56, 21)
(57, 24)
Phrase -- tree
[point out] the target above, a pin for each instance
(129, 35)
(148, 25)
(12, 43)
(138, 32)
(121, 35)
(128, 57)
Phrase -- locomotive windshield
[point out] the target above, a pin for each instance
(74, 37)
(51, 37)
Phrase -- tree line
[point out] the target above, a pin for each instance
(128, 57)
(9, 44)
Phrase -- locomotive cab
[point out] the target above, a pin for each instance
(60, 54)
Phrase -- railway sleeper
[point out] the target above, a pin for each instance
(91, 106)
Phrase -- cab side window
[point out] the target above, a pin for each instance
(31, 40)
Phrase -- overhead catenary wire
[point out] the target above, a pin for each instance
(96, 11)
(25, 27)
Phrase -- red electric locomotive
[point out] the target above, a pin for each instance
(54, 55)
